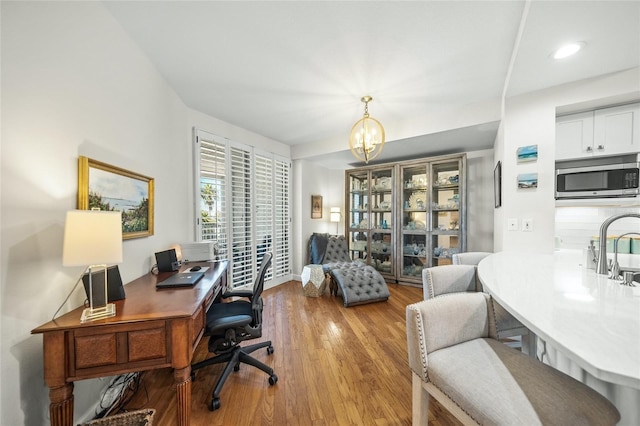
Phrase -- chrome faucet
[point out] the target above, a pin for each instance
(601, 267)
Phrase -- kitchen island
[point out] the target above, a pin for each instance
(588, 326)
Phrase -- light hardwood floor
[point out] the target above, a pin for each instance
(335, 366)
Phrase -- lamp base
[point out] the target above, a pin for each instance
(93, 314)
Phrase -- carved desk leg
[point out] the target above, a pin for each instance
(61, 405)
(182, 379)
(181, 349)
(60, 392)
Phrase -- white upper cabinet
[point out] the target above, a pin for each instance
(603, 132)
(617, 130)
(574, 136)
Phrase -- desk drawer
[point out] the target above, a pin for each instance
(131, 347)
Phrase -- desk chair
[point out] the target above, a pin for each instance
(228, 324)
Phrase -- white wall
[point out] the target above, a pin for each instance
(529, 120)
(312, 179)
(74, 84)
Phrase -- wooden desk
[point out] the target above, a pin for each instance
(152, 329)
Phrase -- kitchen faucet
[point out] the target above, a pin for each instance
(601, 267)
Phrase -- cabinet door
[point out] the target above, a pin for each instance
(358, 213)
(381, 223)
(574, 136)
(617, 130)
(446, 218)
(414, 204)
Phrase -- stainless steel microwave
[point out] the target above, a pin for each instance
(603, 181)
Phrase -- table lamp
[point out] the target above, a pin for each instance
(93, 238)
(334, 216)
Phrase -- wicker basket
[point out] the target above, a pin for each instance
(132, 418)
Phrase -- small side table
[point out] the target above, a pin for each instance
(313, 283)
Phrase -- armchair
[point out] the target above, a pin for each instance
(228, 324)
(455, 357)
(459, 278)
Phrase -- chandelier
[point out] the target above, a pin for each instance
(367, 135)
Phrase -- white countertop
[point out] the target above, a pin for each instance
(593, 320)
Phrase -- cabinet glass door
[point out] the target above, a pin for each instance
(358, 214)
(445, 208)
(381, 223)
(414, 205)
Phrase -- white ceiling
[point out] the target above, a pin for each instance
(294, 71)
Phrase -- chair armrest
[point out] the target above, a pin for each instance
(445, 321)
(238, 293)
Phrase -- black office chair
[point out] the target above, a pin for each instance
(228, 324)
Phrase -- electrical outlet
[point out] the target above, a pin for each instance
(512, 224)
(527, 225)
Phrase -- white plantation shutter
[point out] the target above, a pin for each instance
(243, 204)
(263, 173)
(281, 218)
(212, 180)
(241, 218)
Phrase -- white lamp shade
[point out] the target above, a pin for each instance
(92, 238)
(334, 214)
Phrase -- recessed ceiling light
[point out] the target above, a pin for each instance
(567, 50)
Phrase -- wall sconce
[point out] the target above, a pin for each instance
(93, 238)
(367, 135)
(334, 216)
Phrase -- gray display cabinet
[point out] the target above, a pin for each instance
(406, 216)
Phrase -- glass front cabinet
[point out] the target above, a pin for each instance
(407, 216)
(370, 206)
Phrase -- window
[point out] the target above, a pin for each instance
(244, 205)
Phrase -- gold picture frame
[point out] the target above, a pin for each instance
(102, 186)
(316, 207)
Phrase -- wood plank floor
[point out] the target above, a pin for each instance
(335, 366)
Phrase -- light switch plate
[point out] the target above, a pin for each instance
(527, 225)
(512, 224)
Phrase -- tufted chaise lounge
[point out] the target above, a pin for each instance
(358, 282)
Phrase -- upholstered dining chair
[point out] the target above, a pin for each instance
(446, 279)
(469, 257)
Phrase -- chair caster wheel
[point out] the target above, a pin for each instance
(270, 350)
(215, 404)
(273, 379)
(236, 367)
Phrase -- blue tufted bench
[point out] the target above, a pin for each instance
(358, 282)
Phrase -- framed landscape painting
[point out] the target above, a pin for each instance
(110, 188)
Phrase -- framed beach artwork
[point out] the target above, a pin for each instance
(105, 187)
(316, 207)
(527, 180)
(527, 154)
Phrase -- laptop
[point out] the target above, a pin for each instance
(181, 279)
